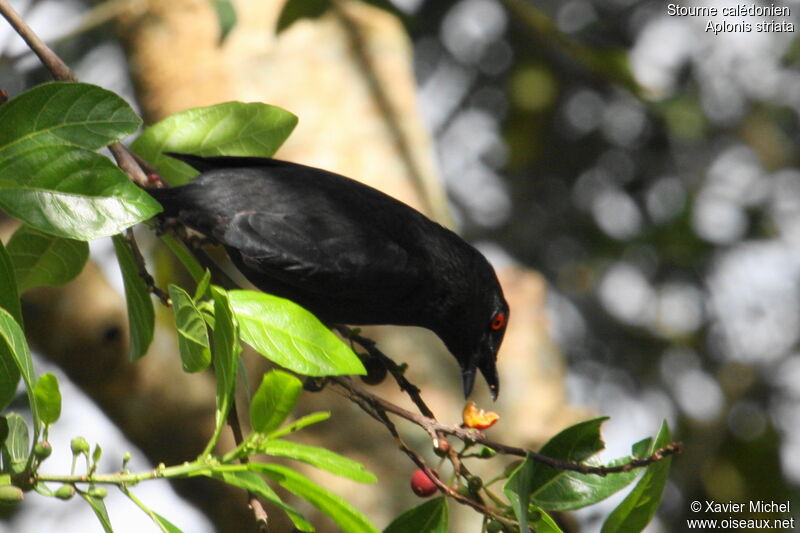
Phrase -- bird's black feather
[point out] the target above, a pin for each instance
(347, 252)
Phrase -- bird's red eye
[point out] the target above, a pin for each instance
(498, 321)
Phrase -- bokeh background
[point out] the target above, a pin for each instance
(647, 167)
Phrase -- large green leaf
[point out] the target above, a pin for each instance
(42, 259)
(345, 516)
(141, 316)
(9, 296)
(575, 443)
(287, 334)
(13, 337)
(572, 490)
(16, 446)
(274, 400)
(430, 517)
(559, 490)
(231, 128)
(226, 358)
(252, 482)
(9, 300)
(193, 341)
(319, 457)
(638, 508)
(70, 192)
(519, 487)
(60, 113)
(48, 398)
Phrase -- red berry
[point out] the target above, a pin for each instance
(422, 485)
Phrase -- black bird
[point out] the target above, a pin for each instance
(348, 253)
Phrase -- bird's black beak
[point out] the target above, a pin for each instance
(468, 379)
(485, 361)
(489, 370)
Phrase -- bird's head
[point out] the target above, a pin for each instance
(476, 332)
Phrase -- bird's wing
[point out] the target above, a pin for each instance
(317, 251)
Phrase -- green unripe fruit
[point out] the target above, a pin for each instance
(65, 492)
(42, 450)
(494, 526)
(79, 445)
(475, 484)
(11, 494)
(98, 492)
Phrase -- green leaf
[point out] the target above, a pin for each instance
(274, 400)
(165, 525)
(100, 511)
(141, 316)
(573, 490)
(13, 338)
(345, 516)
(48, 398)
(319, 457)
(555, 489)
(226, 17)
(9, 296)
(290, 336)
(193, 340)
(226, 358)
(231, 128)
(252, 482)
(295, 10)
(430, 517)
(42, 259)
(185, 257)
(60, 113)
(541, 521)
(97, 453)
(519, 487)
(300, 423)
(72, 193)
(9, 301)
(638, 508)
(202, 286)
(17, 445)
(575, 443)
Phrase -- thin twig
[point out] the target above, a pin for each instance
(129, 163)
(262, 519)
(352, 391)
(378, 412)
(394, 369)
(59, 70)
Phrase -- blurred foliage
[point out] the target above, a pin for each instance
(552, 228)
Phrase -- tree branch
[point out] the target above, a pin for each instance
(362, 397)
